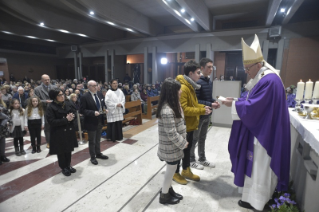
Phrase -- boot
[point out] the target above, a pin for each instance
(17, 152)
(5, 159)
(188, 174)
(174, 194)
(33, 150)
(22, 151)
(167, 199)
(179, 179)
(38, 149)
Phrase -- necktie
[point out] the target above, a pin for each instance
(97, 102)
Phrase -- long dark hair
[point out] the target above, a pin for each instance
(169, 95)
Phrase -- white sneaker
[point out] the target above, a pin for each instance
(197, 166)
(207, 163)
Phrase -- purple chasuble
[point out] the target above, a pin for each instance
(263, 115)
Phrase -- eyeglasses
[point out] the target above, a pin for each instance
(247, 69)
(60, 95)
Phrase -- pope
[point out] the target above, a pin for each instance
(259, 144)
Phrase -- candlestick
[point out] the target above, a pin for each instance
(300, 90)
(309, 86)
(316, 91)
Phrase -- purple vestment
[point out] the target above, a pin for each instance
(263, 115)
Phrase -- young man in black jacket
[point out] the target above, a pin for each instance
(204, 96)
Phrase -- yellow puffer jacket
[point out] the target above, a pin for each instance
(192, 109)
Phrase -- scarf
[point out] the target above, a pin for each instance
(62, 104)
(190, 81)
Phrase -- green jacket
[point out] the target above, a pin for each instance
(192, 109)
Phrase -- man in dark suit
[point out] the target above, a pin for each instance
(42, 92)
(90, 106)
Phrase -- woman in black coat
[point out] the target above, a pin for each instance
(60, 116)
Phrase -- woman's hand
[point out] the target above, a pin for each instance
(70, 116)
(186, 145)
(26, 128)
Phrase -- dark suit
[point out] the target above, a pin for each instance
(43, 95)
(93, 124)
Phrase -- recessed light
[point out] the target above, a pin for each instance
(282, 10)
(41, 24)
(163, 60)
(128, 29)
(7, 32)
(91, 13)
(83, 35)
(65, 31)
(177, 13)
(192, 19)
(109, 22)
(50, 40)
(182, 10)
(188, 21)
(31, 37)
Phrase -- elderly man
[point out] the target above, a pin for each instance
(6, 97)
(42, 92)
(90, 106)
(259, 143)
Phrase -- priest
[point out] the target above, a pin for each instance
(259, 144)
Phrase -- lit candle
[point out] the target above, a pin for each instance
(309, 86)
(300, 89)
(316, 91)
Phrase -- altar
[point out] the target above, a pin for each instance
(304, 162)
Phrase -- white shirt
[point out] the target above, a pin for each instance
(16, 117)
(93, 96)
(34, 115)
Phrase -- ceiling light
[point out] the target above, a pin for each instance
(31, 37)
(187, 21)
(192, 19)
(7, 32)
(177, 13)
(128, 29)
(182, 10)
(50, 40)
(41, 24)
(111, 23)
(83, 35)
(164, 61)
(65, 31)
(91, 13)
(282, 10)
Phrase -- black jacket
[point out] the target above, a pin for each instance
(62, 132)
(204, 94)
(88, 108)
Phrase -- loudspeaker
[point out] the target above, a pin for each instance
(74, 48)
(274, 31)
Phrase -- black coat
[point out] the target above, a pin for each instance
(62, 132)
(88, 108)
(204, 94)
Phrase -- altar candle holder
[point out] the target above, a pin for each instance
(298, 106)
(308, 110)
(315, 100)
(307, 101)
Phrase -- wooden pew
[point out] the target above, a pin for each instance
(150, 107)
(135, 112)
(127, 98)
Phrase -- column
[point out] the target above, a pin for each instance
(197, 53)
(106, 65)
(80, 65)
(210, 55)
(265, 49)
(75, 65)
(280, 52)
(112, 63)
(154, 64)
(145, 74)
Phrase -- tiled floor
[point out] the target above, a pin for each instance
(128, 181)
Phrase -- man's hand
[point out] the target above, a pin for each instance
(215, 105)
(119, 105)
(48, 101)
(208, 110)
(26, 128)
(96, 113)
(228, 102)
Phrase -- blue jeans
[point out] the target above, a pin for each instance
(200, 137)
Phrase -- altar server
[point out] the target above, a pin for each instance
(259, 143)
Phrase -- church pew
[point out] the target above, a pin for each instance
(150, 107)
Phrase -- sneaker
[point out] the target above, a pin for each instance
(207, 164)
(197, 166)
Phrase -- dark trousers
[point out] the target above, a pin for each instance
(15, 141)
(35, 131)
(64, 160)
(94, 140)
(187, 155)
(2, 146)
(47, 131)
